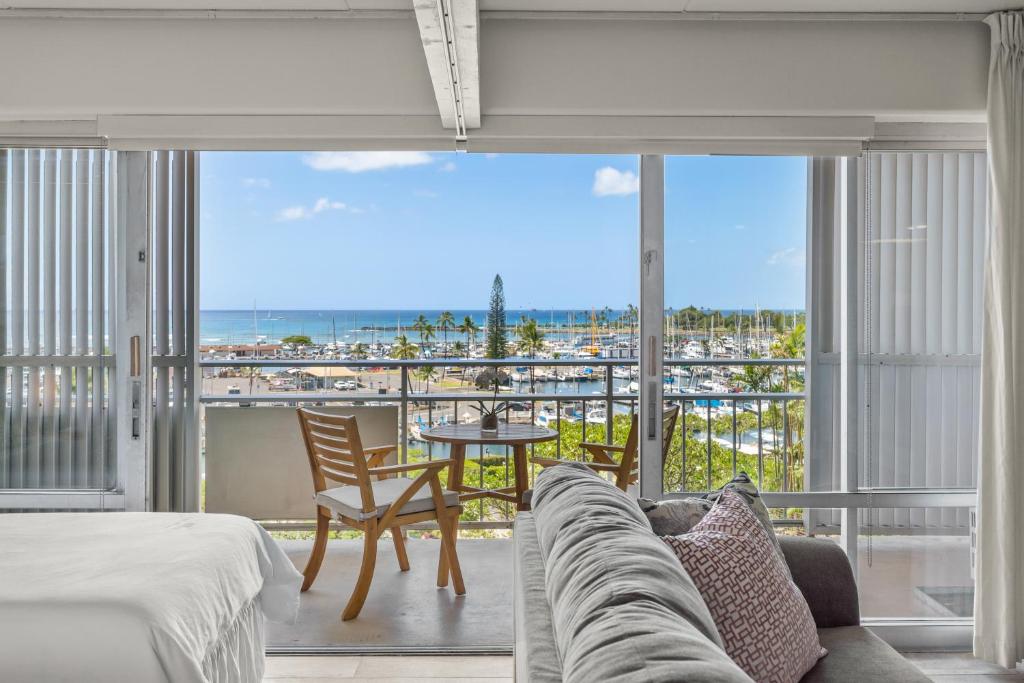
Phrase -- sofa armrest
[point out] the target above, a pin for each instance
(822, 573)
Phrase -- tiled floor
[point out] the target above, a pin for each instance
(956, 667)
(940, 667)
(488, 669)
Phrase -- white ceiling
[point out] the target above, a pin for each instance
(970, 6)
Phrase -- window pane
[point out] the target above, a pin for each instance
(915, 563)
(735, 250)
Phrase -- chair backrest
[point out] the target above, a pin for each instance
(630, 475)
(336, 452)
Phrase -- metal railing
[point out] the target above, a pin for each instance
(708, 416)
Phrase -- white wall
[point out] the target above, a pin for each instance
(675, 67)
(367, 77)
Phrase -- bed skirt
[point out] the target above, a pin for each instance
(238, 656)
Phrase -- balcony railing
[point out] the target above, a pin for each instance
(727, 427)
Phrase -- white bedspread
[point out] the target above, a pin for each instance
(138, 596)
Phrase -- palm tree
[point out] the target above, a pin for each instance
(791, 345)
(426, 334)
(420, 324)
(358, 351)
(458, 349)
(403, 349)
(531, 342)
(632, 316)
(425, 374)
(470, 329)
(445, 322)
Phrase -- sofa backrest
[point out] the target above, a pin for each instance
(622, 607)
(822, 572)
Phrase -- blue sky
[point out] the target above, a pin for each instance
(413, 230)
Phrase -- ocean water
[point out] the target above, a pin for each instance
(323, 326)
(350, 326)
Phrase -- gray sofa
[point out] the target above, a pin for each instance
(599, 597)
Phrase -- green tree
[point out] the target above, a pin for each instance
(470, 329)
(425, 374)
(531, 342)
(358, 351)
(632, 318)
(403, 349)
(497, 339)
(425, 330)
(445, 322)
(297, 340)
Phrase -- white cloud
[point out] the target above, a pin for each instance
(262, 183)
(610, 181)
(424, 194)
(323, 204)
(298, 212)
(786, 257)
(358, 162)
(293, 213)
(447, 167)
(741, 227)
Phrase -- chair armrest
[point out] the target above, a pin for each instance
(603, 446)
(375, 456)
(602, 452)
(822, 572)
(596, 466)
(412, 466)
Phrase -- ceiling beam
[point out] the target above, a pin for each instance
(450, 30)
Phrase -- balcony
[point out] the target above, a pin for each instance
(728, 427)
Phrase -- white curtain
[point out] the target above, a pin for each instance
(999, 593)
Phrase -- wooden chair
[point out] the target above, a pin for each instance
(371, 500)
(626, 470)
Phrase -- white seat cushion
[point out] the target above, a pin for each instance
(347, 501)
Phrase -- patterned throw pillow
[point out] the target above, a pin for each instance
(747, 490)
(761, 615)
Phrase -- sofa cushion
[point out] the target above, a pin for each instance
(856, 655)
(536, 654)
(348, 500)
(764, 620)
(622, 608)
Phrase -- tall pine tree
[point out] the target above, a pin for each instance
(497, 341)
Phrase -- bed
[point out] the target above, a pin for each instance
(139, 596)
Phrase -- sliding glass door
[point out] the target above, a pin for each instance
(816, 320)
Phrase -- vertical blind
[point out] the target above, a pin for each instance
(919, 312)
(57, 287)
(175, 461)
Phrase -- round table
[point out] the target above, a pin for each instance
(518, 436)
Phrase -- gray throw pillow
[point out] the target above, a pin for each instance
(674, 517)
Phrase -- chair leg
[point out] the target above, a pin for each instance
(316, 557)
(403, 556)
(442, 557)
(449, 532)
(355, 603)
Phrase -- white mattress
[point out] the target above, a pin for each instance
(138, 596)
